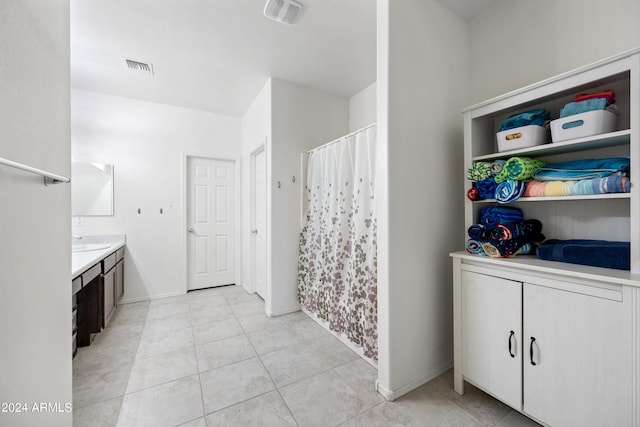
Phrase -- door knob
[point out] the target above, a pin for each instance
(191, 230)
(254, 231)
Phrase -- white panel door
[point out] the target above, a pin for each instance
(260, 223)
(492, 336)
(211, 222)
(577, 358)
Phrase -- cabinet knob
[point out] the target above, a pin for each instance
(191, 230)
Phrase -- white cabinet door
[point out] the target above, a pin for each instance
(491, 335)
(582, 354)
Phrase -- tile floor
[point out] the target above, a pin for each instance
(212, 358)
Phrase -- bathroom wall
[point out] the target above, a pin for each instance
(35, 253)
(302, 118)
(422, 84)
(508, 51)
(146, 142)
(362, 108)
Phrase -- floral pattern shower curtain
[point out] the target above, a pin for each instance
(337, 269)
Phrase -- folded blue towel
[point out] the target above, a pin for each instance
(582, 169)
(495, 215)
(532, 117)
(583, 106)
(597, 253)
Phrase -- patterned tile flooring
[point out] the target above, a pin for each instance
(213, 358)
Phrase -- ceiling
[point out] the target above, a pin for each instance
(216, 55)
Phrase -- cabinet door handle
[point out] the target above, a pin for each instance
(531, 351)
(511, 336)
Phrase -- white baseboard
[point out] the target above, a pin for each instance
(150, 298)
(281, 312)
(392, 395)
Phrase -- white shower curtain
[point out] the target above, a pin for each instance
(337, 270)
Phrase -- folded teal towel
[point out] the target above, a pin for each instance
(532, 117)
(582, 169)
(583, 106)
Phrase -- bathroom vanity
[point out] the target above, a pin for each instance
(97, 284)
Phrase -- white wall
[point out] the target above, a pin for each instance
(362, 108)
(302, 119)
(519, 42)
(35, 252)
(256, 131)
(422, 82)
(146, 143)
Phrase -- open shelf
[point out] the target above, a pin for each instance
(607, 196)
(612, 139)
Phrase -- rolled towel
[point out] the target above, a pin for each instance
(474, 247)
(497, 166)
(476, 232)
(509, 191)
(526, 249)
(494, 215)
(486, 188)
(491, 250)
(532, 226)
(479, 171)
(519, 168)
(502, 232)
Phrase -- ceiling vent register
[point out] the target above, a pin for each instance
(284, 11)
(137, 66)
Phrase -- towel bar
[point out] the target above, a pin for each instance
(49, 178)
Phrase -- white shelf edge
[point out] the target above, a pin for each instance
(575, 271)
(611, 139)
(607, 196)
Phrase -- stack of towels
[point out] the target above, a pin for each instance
(604, 100)
(503, 232)
(507, 181)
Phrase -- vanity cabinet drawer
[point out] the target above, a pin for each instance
(120, 254)
(108, 263)
(76, 285)
(91, 274)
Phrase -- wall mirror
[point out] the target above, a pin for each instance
(91, 189)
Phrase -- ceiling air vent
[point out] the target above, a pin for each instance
(284, 11)
(137, 66)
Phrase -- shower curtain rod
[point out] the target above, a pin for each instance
(344, 136)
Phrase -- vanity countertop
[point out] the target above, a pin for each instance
(105, 245)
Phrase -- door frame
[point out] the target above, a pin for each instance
(252, 218)
(185, 209)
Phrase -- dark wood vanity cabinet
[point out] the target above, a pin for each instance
(96, 294)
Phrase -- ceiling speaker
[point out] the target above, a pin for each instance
(285, 11)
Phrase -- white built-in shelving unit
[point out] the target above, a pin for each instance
(573, 331)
